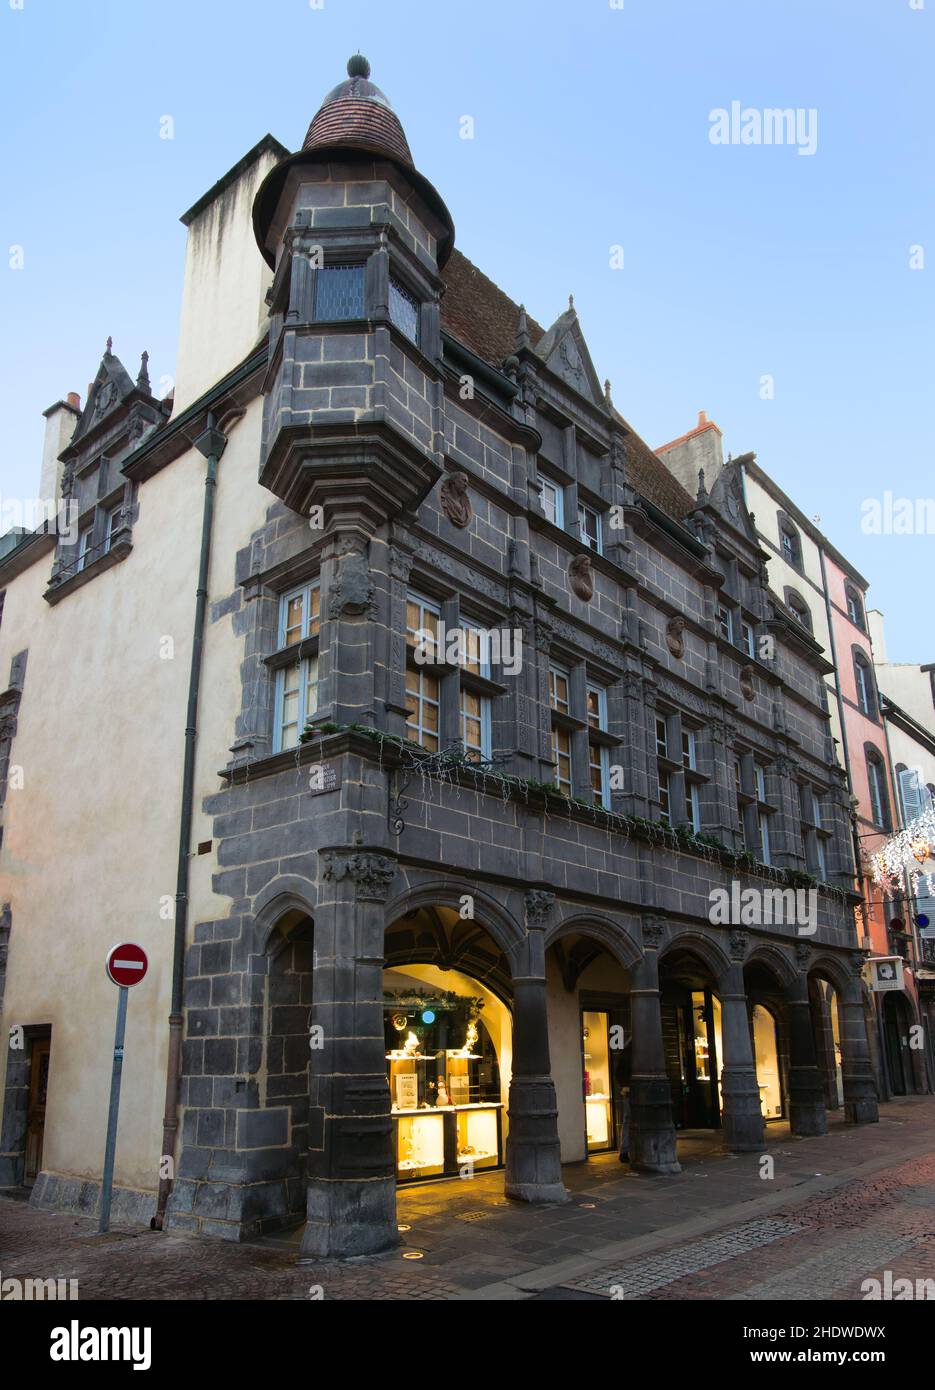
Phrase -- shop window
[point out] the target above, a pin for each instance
(598, 1094)
(766, 1053)
(444, 1082)
(339, 292)
(404, 310)
(296, 692)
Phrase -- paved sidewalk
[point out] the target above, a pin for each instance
(836, 1210)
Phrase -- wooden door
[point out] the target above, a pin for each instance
(35, 1118)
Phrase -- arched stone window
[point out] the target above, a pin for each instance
(876, 780)
(863, 682)
(855, 606)
(790, 542)
(798, 608)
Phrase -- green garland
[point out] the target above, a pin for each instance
(679, 838)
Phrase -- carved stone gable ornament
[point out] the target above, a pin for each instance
(675, 640)
(581, 577)
(456, 500)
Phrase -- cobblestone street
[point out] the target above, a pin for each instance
(838, 1210)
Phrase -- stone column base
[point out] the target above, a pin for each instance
(533, 1152)
(653, 1143)
(347, 1218)
(743, 1118)
(808, 1117)
(863, 1111)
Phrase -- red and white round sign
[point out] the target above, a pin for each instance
(126, 964)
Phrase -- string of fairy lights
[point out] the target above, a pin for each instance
(905, 853)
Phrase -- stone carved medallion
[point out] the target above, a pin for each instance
(747, 683)
(352, 589)
(581, 577)
(675, 639)
(456, 500)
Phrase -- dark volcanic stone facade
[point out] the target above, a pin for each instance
(326, 851)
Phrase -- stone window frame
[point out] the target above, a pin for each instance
(597, 544)
(865, 685)
(454, 680)
(378, 248)
(816, 837)
(789, 531)
(598, 746)
(561, 723)
(546, 479)
(753, 807)
(680, 780)
(299, 654)
(878, 791)
(108, 522)
(854, 602)
(793, 600)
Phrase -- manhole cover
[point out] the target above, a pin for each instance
(474, 1216)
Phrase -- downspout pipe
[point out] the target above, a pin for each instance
(211, 444)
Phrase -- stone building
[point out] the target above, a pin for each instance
(827, 596)
(493, 845)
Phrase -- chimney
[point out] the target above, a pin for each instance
(701, 449)
(60, 421)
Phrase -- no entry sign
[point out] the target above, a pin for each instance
(126, 964)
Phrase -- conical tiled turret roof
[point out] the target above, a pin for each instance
(354, 122)
(356, 113)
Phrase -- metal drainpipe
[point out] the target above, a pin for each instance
(211, 444)
(839, 700)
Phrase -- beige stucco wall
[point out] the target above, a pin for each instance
(810, 585)
(223, 296)
(90, 840)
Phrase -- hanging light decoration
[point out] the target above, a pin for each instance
(915, 842)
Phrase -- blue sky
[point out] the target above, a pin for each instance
(591, 131)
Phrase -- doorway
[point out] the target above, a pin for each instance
(36, 1107)
(896, 1025)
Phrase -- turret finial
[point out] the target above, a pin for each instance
(357, 66)
(110, 347)
(522, 330)
(142, 380)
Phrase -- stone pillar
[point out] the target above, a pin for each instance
(652, 1129)
(860, 1092)
(351, 1207)
(533, 1155)
(743, 1116)
(807, 1114)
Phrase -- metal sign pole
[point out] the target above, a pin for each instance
(110, 1147)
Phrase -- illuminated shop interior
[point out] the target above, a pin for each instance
(448, 1050)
